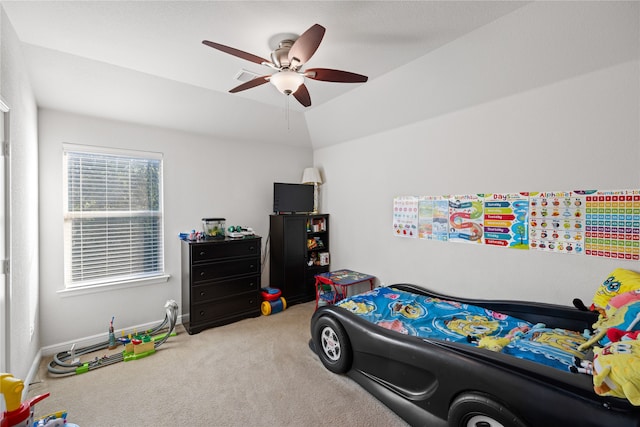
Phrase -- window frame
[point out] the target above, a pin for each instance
(119, 281)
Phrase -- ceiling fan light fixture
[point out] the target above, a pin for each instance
(287, 81)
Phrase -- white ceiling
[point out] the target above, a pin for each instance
(144, 61)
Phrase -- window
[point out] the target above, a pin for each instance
(113, 225)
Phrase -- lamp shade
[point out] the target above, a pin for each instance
(287, 81)
(311, 176)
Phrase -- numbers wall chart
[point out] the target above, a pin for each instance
(612, 226)
(601, 223)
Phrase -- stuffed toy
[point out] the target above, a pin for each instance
(581, 366)
(622, 300)
(615, 335)
(616, 370)
(625, 318)
(493, 343)
(498, 343)
(619, 282)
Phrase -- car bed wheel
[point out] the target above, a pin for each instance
(478, 410)
(332, 345)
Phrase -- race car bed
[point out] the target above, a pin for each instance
(437, 360)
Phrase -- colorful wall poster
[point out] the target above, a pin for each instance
(425, 217)
(612, 226)
(556, 221)
(405, 216)
(582, 222)
(465, 218)
(506, 217)
(440, 227)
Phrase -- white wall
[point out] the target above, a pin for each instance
(579, 131)
(203, 177)
(22, 321)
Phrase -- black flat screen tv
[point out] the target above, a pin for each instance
(292, 198)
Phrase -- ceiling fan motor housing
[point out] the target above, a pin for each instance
(280, 56)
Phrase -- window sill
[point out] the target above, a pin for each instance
(127, 284)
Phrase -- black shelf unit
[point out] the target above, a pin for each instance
(299, 249)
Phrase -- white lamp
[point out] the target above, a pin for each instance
(287, 81)
(312, 176)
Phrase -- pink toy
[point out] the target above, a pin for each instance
(624, 299)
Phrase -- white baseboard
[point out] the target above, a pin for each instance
(33, 372)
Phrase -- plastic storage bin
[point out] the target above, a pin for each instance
(213, 228)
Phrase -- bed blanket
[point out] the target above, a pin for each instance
(450, 320)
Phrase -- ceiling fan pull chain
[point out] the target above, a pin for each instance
(286, 112)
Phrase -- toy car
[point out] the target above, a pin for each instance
(441, 381)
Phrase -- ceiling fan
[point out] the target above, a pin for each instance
(288, 60)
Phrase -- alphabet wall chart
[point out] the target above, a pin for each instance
(587, 222)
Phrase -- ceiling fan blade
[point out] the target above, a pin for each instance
(338, 76)
(251, 83)
(306, 46)
(236, 52)
(302, 95)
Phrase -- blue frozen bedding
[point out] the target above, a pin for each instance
(448, 320)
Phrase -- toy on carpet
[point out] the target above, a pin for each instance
(272, 302)
(56, 419)
(17, 414)
(20, 414)
(135, 347)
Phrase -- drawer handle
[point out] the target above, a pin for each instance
(251, 248)
(201, 312)
(202, 274)
(202, 293)
(202, 253)
(251, 267)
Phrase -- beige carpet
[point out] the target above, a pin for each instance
(255, 372)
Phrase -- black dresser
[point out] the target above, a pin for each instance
(220, 281)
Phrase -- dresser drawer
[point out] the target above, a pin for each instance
(225, 288)
(215, 251)
(232, 306)
(224, 269)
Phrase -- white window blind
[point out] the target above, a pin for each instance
(113, 224)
